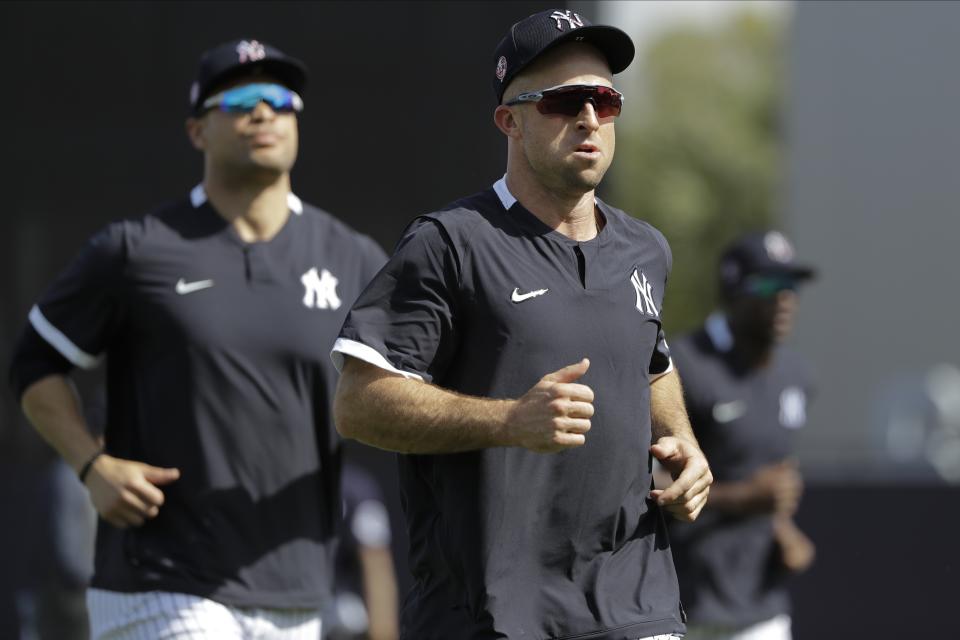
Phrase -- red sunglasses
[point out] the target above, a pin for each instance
(568, 100)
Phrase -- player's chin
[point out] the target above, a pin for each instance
(586, 178)
(769, 335)
(595, 168)
(782, 329)
(269, 159)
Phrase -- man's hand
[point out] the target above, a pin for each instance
(555, 414)
(125, 492)
(688, 467)
(778, 487)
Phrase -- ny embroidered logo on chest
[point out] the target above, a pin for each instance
(793, 407)
(320, 290)
(645, 302)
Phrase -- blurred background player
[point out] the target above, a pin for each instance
(217, 477)
(365, 602)
(746, 395)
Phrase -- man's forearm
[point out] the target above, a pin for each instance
(668, 414)
(409, 416)
(52, 406)
(675, 446)
(380, 592)
(735, 498)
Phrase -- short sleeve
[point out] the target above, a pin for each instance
(34, 358)
(80, 311)
(370, 524)
(665, 246)
(660, 361)
(405, 320)
(364, 508)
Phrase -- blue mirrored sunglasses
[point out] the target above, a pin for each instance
(245, 98)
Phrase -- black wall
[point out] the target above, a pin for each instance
(887, 567)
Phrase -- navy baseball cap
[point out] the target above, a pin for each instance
(535, 35)
(764, 253)
(240, 58)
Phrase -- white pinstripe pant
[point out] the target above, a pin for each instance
(777, 628)
(161, 615)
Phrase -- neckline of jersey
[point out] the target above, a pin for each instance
(535, 225)
(199, 200)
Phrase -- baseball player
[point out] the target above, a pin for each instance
(512, 348)
(747, 396)
(216, 482)
(365, 605)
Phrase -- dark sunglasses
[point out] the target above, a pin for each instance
(245, 98)
(568, 100)
(768, 286)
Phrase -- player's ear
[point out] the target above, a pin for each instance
(507, 121)
(195, 131)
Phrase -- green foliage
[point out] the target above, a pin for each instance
(699, 149)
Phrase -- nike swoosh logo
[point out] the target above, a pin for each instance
(729, 411)
(183, 288)
(520, 297)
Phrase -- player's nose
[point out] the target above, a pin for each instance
(262, 111)
(587, 118)
(786, 300)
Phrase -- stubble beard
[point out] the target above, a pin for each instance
(260, 171)
(565, 178)
(576, 181)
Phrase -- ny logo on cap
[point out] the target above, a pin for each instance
(572, 19)
(778, 247)
(250, 51)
